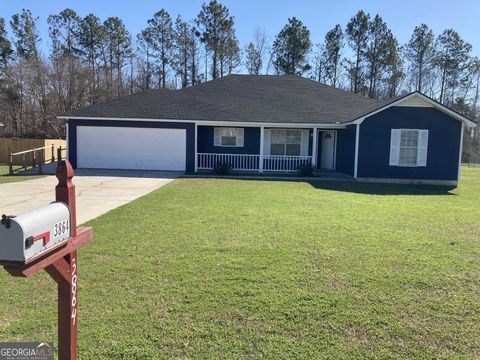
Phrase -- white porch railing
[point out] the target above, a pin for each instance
(281, 163)
(208, 161)
(284, 162)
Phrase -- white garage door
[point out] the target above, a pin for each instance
(131, 148)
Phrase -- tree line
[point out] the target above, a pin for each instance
(90, 60)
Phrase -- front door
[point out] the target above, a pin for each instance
(327, 149)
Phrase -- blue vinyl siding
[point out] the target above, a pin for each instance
(189, 127)
(443, 144)
(251, 142)
(345, 158)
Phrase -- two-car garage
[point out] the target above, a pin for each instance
(129, 147)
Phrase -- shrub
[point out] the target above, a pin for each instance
(222, 168)
(306, 169)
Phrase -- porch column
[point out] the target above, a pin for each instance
(196, 156)
(314, 147)
(260, 160)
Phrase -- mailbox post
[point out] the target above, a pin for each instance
(60, 262)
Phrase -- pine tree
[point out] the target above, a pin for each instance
(357, 38)
(377, 52)
(24, 27)
(216, 31)
(91, 39)
(6, 50)
(253, 60)
(420, 52)
(291, 47)
(6, 93)
(475, 73)
(332, 54)
(64, 30)
(394, 67)
(145, 59)
(229, 53)
(118, 47)
(320, 64)
(186, 52)
(161, 40)
(452, 58)
(182, 49)
(195, 75)
(32, 83)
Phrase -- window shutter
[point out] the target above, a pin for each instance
(422, 148)
(266, 141)
(304, 142)
(217, 136)
(395, 147)
(240, 137)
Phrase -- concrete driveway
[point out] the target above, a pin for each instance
(98, 191)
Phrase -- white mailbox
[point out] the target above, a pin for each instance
(25, 236)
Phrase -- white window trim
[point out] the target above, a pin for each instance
(395, 158)
(239, 139)
(304, 141)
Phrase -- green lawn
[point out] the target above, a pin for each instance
(5, 178)
(206, 268)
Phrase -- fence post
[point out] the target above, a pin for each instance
(10, 165)
(40, 160)
(53, 153)
(24, 161)
(59, 153)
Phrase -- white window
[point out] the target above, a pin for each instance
(293, 142)
(408, 147)
(228, 137)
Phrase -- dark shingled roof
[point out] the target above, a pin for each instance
(245, 98)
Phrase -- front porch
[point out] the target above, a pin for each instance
(265, 149)
(240, 162)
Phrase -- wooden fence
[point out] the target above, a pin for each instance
(8, 146)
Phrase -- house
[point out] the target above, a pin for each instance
(271, 124)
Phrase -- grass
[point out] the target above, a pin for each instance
(206, 268)
(6, 178)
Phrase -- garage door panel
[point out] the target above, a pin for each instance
(131, 148)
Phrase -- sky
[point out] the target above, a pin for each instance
(319, 16)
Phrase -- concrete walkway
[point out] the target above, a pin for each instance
(98, 191)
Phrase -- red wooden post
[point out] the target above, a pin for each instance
(65, 191)
(61, 264)
(64, 271)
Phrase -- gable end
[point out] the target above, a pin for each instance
(417, 100)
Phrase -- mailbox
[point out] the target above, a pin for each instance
(28, 235)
